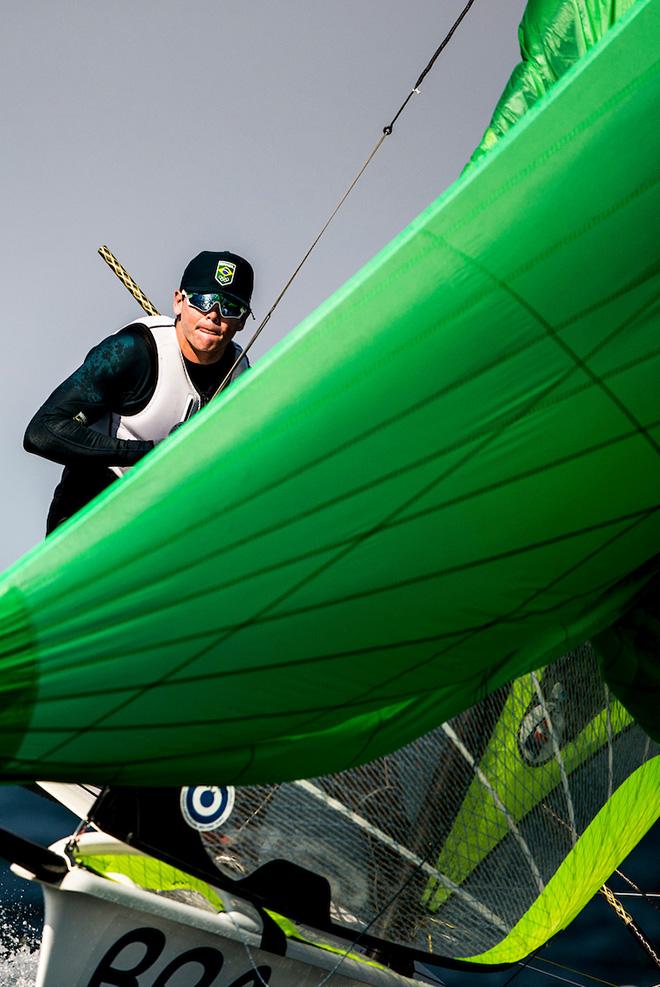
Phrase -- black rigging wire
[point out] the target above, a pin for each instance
(570, 969)
(415, 89)
(527, 965)
(387, 130)
(356, 941)
(648, 898)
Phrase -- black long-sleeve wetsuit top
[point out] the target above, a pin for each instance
(119, 375)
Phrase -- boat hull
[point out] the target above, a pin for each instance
(99, 932)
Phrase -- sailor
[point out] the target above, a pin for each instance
(140, 383)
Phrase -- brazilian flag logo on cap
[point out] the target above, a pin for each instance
(224, 273)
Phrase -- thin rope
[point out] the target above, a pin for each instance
(387, 130)
(266, 318)
(609, 896)
(449, 731)
(546, 973)
(415, 89)
(647, 895)
(127, 280)
(555, 976)
(610, 750)
(570, 969)
(359, 935)
(242, 936)
(419, 863)
(384, 908)
(630, 924)
(558, 758)
(639, 894)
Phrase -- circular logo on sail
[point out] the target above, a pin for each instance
(206, 807)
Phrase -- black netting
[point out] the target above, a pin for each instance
(446, 844)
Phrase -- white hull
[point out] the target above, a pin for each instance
(100, 932)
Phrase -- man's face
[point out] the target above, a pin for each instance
(203, 337)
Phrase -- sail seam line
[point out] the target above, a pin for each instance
(441, 573)
(568, 137)
(552, 333)
(365, 696)
(407, 518)
(380, 426)
(383, 646)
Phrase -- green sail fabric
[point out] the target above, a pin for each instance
(480, 840)
(446, 476)
(553, 36)
(477, 841)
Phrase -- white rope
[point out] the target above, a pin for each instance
(555, 976)
(247, 948)
(255, 969)
(610, 753)
(405, 853)
(637, 894)
(483, 780)
(558, 758)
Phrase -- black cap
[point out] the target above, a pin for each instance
(212, 270)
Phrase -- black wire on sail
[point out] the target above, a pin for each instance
(387, 131)
(403, 956)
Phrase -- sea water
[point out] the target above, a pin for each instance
(19, 951)
(597, 945)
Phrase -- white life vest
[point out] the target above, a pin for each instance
(175, 397)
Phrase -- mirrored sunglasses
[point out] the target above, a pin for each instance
(230, 308)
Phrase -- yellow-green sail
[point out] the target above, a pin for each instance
(477, 842)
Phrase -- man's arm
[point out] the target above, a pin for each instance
(118, 375)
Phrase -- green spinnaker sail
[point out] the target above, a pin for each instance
(445, 477)
(554, 34)
(476, 842)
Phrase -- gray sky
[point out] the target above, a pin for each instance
(163, 128)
